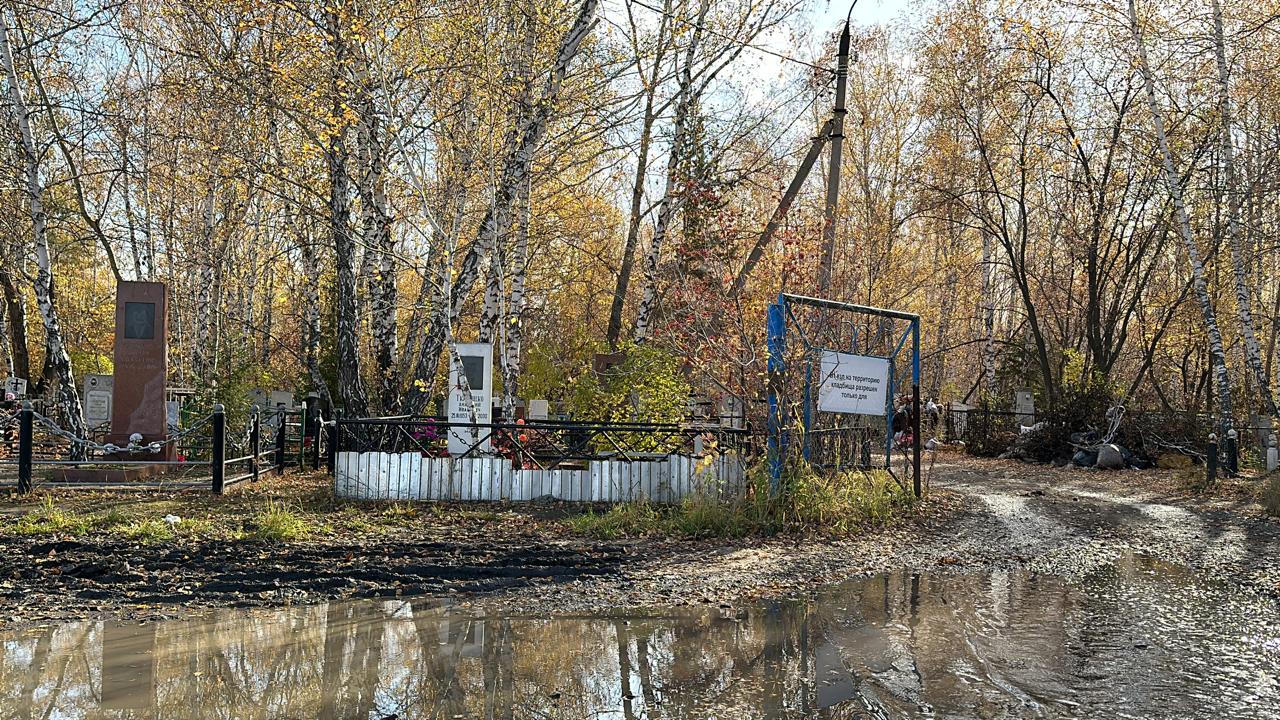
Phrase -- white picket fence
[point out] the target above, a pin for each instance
(410, 476)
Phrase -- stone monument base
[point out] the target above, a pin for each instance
(108, 475)
(168, 452)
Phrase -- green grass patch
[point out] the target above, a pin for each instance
(112, 519)
(635, 519)
(52, 520)
(836, 504)
(147, 531)
(279, 524)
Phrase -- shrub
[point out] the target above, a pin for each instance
(839, 504)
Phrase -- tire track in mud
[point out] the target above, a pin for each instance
(1069, 521)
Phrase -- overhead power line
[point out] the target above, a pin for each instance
(730, 38)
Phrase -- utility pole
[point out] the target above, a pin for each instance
(833, 132)
(833, 174)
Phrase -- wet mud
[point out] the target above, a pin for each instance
(984, 516)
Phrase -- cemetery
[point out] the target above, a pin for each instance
(678, 359)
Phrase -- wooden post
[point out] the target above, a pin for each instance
(218, 455)
(26, 443)
(282, 434)
(255, 442)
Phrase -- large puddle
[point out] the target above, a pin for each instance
(1134, 639)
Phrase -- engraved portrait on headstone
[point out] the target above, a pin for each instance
(140, 320)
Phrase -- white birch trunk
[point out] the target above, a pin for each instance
(201, 350)
(670, 196)
(513, 331)
(491, 311)
(351, 386)
(379, 265)
(311, 309)
(1244, 301)
(66, 394)
(988, 312)
(6, 354)
(1199, 283)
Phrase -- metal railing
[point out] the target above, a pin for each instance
(411, 458)
(538, 444)
(31, 442)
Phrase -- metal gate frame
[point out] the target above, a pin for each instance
(779, 317)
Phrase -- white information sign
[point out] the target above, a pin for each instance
(853, 384)
(477, 363)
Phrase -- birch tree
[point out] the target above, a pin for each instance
(1244, 299)
(651, 84)
(516, 168)
(380, 250)
(65, 392)
(675, 162)
(1174, 186)
(351, 387)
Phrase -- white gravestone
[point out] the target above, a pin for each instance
(538, 410)
(1024, 404)
(853, 384)
(477, 364)
(97, 399)
(15, 386)
(959, 418)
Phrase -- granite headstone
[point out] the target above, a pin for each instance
(141, 365)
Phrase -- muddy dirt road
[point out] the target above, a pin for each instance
(999, 514)
(983, 515)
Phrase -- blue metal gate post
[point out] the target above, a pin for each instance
(777, 330)
(915, 405)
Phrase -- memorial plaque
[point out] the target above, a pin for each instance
(141, 364)
(97, 399)
(477, 364)
(538, 410)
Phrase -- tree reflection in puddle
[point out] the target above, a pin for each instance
(1136, 638)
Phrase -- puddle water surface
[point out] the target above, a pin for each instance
(1132, 639)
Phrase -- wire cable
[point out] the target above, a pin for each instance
(732, 39)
